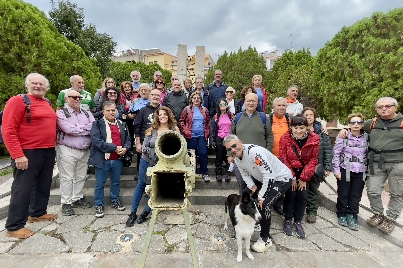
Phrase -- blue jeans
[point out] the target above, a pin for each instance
(141, 185)
(200, 144)
(114, 168)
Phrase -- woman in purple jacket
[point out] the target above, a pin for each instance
(349, 166)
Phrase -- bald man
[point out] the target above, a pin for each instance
(77, 84)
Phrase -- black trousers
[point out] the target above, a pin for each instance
(270, 198)
(349, 193)
(295, 202)
(221, 156)
(31, 188)
(130, 128)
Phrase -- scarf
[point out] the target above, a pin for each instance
(290, 100)
(108, 133)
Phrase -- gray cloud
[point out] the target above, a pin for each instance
(224, 24)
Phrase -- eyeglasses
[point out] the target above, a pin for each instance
(196, 98)
(233, 146)
(229, 92)
(112, 93)
(76, 97)
(251, 101)
(387, 107)
(223, 104)
(356, 122)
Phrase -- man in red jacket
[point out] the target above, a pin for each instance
(29, 133)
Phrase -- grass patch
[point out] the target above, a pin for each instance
(6, 171)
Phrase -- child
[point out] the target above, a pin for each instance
(349, 165)
(220, 128)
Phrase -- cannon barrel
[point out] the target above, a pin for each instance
(173, 176)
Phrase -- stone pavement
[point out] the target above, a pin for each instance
(84, 241)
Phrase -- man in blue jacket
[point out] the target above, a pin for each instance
(215, 91)
(110, 140)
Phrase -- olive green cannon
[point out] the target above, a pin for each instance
(172, 180)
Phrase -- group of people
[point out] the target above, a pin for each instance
(276, 153)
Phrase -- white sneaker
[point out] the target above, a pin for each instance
(206, 178)
(261, 246)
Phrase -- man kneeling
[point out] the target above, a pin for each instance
(261, 171)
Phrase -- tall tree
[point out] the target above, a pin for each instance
(294, 69)
(360, 64)
(68, 18)
(239, 68)
(30, 43)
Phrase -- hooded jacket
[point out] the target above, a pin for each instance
(309, 154)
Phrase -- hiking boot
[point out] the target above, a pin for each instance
(99, 211)
(342, 221)
(67, 210)
(299, 230)
(351, 222)
(218, 178)
(387, 226)
(279, 210)
(22, 233)
(206, 178)
(227, 178)
(132, 218)
(143, 217)
(376, 219)
(261, 246)
(287, 229)
(117, 205)
(311, 218)
(81, 203)
(46, 217)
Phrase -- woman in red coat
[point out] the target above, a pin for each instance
(299, 151)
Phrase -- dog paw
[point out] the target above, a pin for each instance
(250, 256)
(239, 258)
(225, 228)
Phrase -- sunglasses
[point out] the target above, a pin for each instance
(76, 97)
(223, 104)
(356, 122)
(112, 93)
(160, 83)
(232, 92)
(233, 146)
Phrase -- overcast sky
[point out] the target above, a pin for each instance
(224, 24)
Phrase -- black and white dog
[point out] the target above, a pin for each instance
(243, 213)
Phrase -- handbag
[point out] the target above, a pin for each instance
(319, 174)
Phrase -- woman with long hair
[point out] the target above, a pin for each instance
(194, 124)
(299, 151)
(220, 128)
(164, 120)
(127, 94)
(325, 159)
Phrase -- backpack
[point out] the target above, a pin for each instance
(67, 114)
(27, 102)
(261, 114)
(373, 123)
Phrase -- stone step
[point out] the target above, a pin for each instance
(127, 181)
(212, 193)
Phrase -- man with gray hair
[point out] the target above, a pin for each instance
(77, 84)
(136, 76)
(294, 107)
(30, 138)
(73, 144)
(263, 172)
(385, 161)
